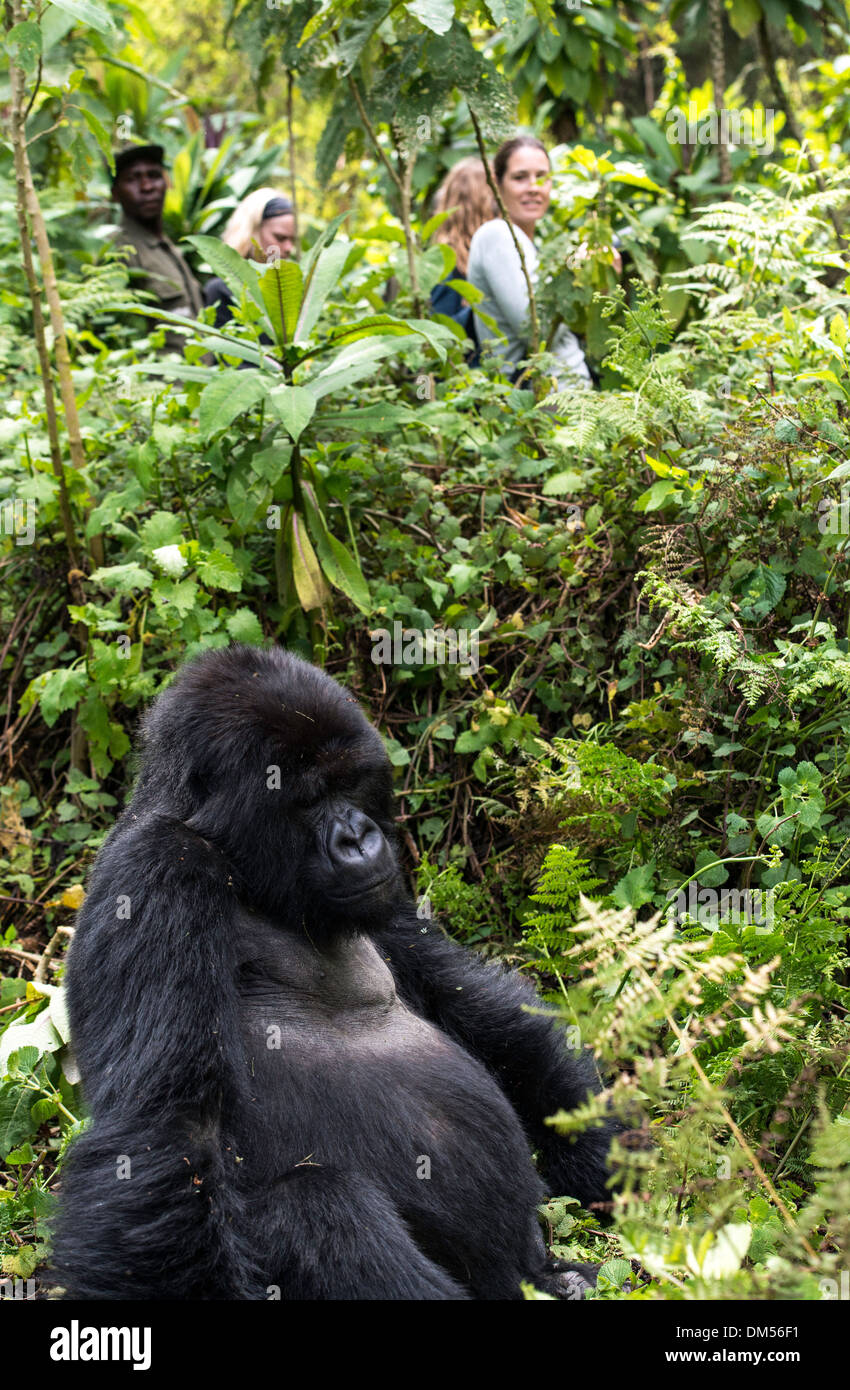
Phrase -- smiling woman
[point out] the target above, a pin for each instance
(521, 167)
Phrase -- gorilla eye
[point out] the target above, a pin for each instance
(347, 782)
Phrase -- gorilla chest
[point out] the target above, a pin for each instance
(341, 1070)
(297, 998)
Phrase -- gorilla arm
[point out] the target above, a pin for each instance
(480, 1005)
(155, 1029)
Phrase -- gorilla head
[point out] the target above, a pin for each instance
(273, 763)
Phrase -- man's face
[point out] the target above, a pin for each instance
(140, 189)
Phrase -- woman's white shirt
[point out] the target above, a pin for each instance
(495, 269)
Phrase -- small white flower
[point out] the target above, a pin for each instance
(170, 560)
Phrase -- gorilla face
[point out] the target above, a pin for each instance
(349, 867)
(277, 768)
(352, 857)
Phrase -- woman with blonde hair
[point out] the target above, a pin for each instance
(466, 194)
(264, 219)
(261, 228)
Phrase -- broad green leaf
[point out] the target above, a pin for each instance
(821, 376)
(294, 407)
(436, 336)
(744, 15)
(776, 830)
(122, 578)
(436, 15)
(504, 12)
(430, 227)
(15, 1119)
(656, 496)
(245, 495)
(761, 591)
(99, 132)
(396, 752)
(352, 363)
(23, 44)
(810, 812)
(345, 574)
(616, 1271)
(306, 571)
(270, 464)
(218, 571)
(244, 626)
(656, 138)
(56, 691)
(281, 286)
(635, 181)
(338, 564)
(41, 1111)
(387, 232)
(323, 277)
(665, 469)
(471, 293)
(181, 595)
(162, 528)
(54, 25)
(88, 12)
(217, 340)
(559, 483)
(462, 576)
(710, 877)
(374, 326)
(308, 264)
(233, 269)
(376, 419)
(242, 351)
(228, 395)
(635, 888)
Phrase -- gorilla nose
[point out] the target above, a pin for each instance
(355, 840)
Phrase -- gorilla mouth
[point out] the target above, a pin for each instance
(368, 890)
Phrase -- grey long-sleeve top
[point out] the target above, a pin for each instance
(495, 269)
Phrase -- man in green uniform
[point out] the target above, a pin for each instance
(139, 187)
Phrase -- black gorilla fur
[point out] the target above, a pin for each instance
(274, 1040)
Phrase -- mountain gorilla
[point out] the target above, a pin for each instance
(298, 1088)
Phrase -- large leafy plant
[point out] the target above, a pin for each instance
(298, 364)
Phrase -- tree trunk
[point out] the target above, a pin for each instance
(26, 190)
(717, 53)
(31, 222)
